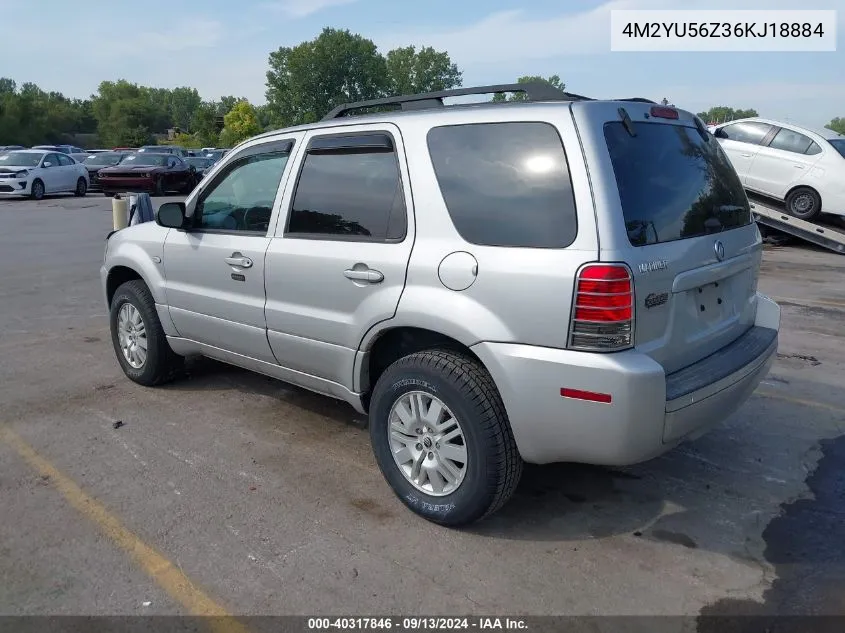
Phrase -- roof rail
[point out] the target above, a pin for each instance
(535, 91)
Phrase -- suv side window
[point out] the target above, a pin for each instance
(746, 132)
(791, 141)
(350, 188)
(241, 197)
(505, 184)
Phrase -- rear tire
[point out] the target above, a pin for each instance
(804, 203)
(473, 407)
(81, 188)
(133, 305)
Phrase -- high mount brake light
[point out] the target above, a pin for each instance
(664, 112)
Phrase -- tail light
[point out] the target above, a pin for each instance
(603, 310)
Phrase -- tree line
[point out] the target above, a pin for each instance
(303, 83)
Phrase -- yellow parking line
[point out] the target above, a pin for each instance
(167, 575)
(801, 401)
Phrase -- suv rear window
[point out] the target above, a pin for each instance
(505, 184)
(673, 184)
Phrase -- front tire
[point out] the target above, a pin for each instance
(139, 341)
(804, 203)
(37, 190)
(442, 438)
(81, 188)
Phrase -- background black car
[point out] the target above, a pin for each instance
(201, 163)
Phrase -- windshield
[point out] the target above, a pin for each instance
(146, 160)
(673, 184)
(20, 159)
(103, 159)
(838, 145)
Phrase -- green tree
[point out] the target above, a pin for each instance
(410, 71)
(722, 114)
(126, 113)
(204, 124)
(306, 81)
(837, 125)
(225, 104)
(240, 124)
(554, 81)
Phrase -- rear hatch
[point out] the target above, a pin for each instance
(670, 205)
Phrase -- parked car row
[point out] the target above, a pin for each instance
(156, 169)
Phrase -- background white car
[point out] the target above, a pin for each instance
(803, 167)
(35, 173)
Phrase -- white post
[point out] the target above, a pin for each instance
(119, 212)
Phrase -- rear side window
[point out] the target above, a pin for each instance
(673, 184)
(790, 141)
(746, 132)
(505, 184)
(347, 192)
(838, 145)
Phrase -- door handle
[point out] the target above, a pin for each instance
(238, 260)
(746, 155)
(368, 275)
(799, 166)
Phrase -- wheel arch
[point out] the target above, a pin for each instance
(794, 188)
(119, 275)
(387, 345)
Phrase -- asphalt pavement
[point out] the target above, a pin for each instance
(228, 492)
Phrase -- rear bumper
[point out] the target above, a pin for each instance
(649, 412)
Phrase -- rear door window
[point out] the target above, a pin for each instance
(505, 184)
(350, 188)
(790, 141)
(673, 184)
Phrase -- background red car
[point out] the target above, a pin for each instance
(145, 172)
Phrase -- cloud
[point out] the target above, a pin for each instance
(303, 8)
(203, 33)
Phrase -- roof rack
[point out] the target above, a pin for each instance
(636, 99)
(535, 91)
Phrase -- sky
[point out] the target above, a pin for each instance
(221, 48)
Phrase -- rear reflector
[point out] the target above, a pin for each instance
(663, 112)
(603, 310)
(591, 396)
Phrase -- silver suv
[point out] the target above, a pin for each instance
(556, 279)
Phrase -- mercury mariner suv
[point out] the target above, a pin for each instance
(554, 279)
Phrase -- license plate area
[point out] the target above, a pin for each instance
(713, 303)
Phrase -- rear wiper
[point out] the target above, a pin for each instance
(626, 121)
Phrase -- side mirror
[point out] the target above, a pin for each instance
(171, 215)
(46, 163)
